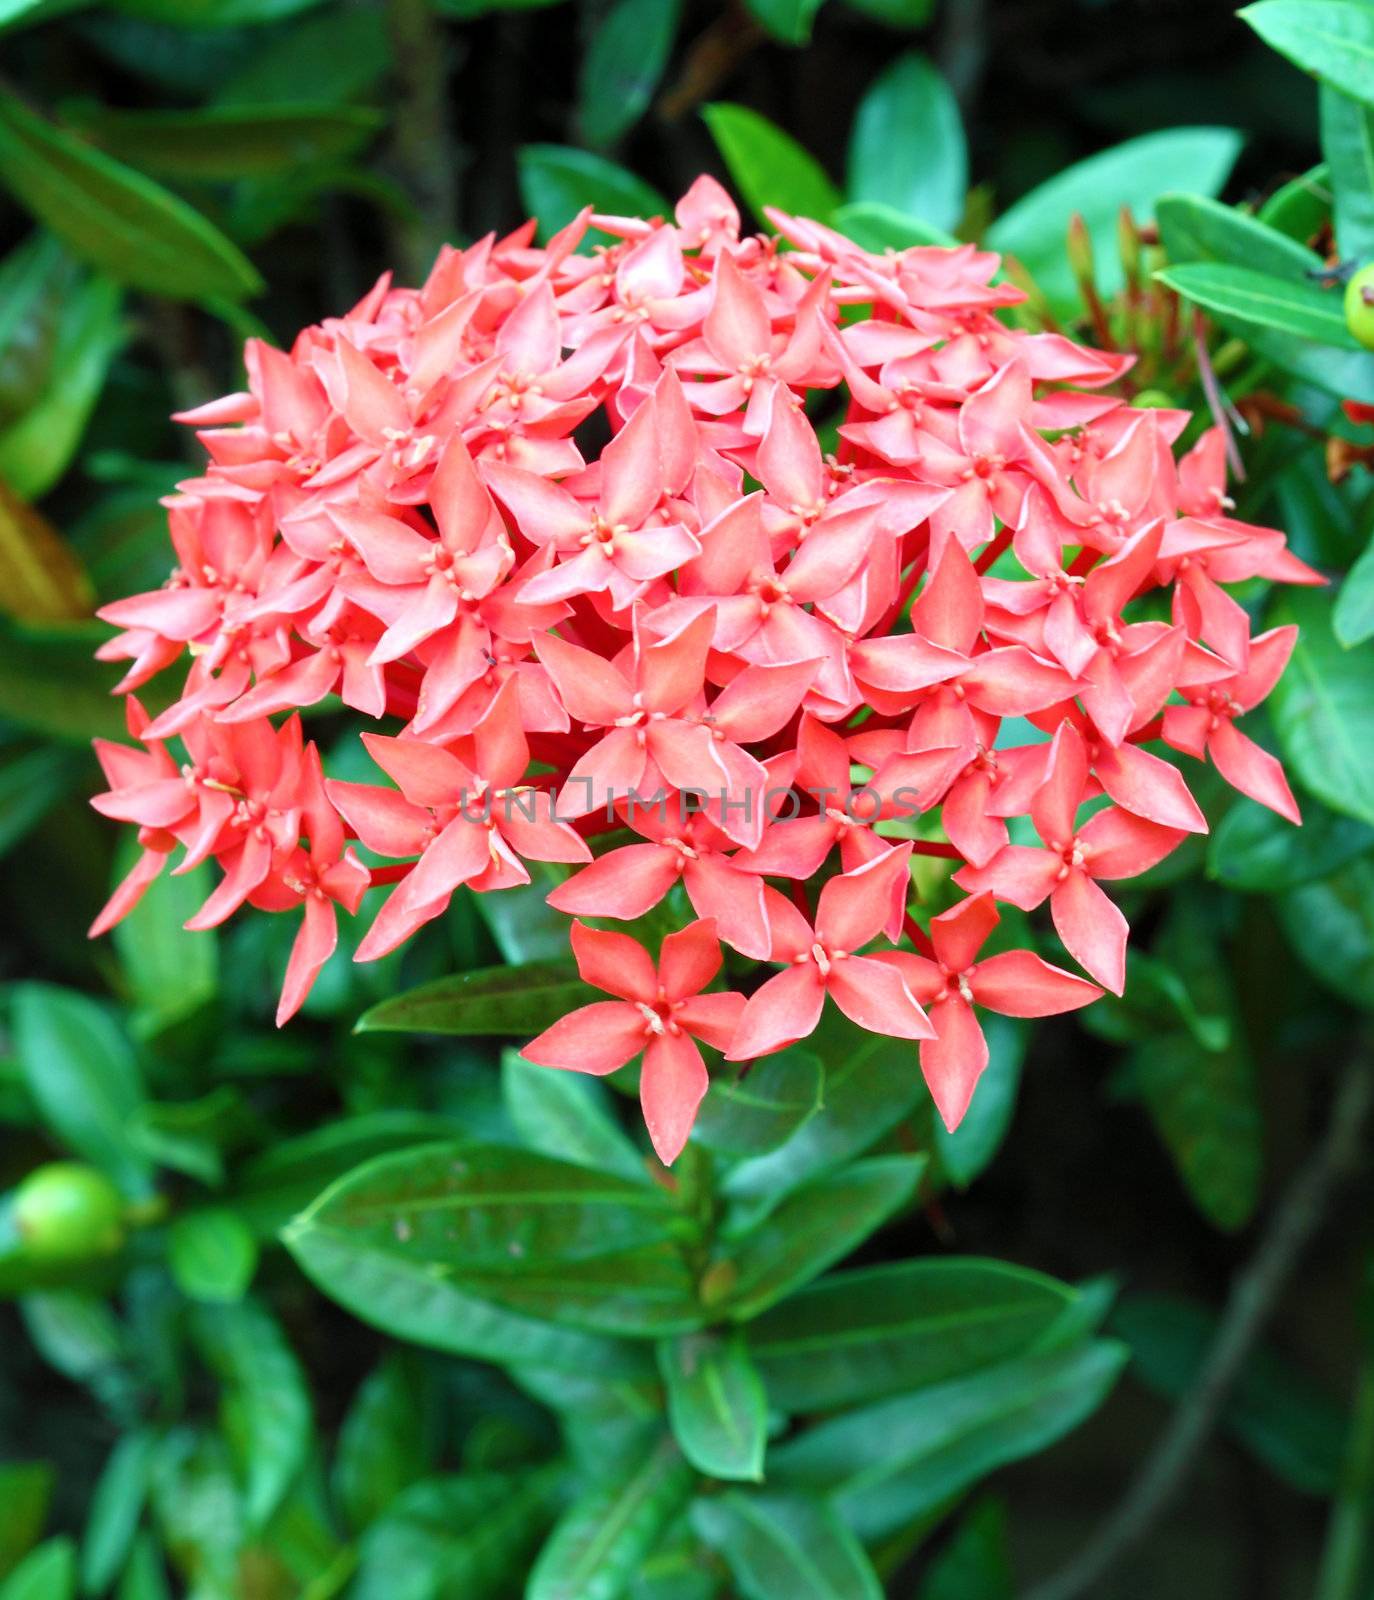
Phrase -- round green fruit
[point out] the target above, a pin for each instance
(1359, 306)
(67, 1211)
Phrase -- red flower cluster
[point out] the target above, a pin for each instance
(565, 521)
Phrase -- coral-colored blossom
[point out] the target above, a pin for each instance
(692, 560)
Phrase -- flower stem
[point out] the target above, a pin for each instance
(1347, 1534)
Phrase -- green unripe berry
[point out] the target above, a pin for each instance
(1359, 306)
(68, 1211)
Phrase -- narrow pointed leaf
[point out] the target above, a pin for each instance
(780, 1544)
(1245, 296)
(520, 1000)
(768, 166)
(716, 1404)
(752, 1115)
(907, 147)
(567, 1114)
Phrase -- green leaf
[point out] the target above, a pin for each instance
(1322, 709)
(116, 218)
(716, 1404)
(386, 1440)
(566, 1114)
(598, 1545)
(1132, 174)
(557, 181)
(622, 65)
(349, 50)
(896, 13)
(171, 973)
(31, 784)
(463, 1536)
(213, 13)
(12, 11)
(1332, 39)
(877, 1331)
(1352, 620)
(49, 1573)
(1301, 208)
(225, 143)
(198, 1508)
(753, 1114)
(1279, 1413)
(887, 1464)
(970, 1149)
(1237, 293)
(520, 1000)
(37, 448)
(76, 1334)
(788, 20)
(1255, 850)
(247, 1350)
(768, 166)
(144, 1577)
(1195, 228)
(879, 228)
(1330, 928)
(814, 1227)
(50, 681)
(907, 148)
(83, 1077)
(212, 1255)
(25, 1490)
(976, 1563)
(115, 1509)
(418, 1242)
(782, 1544)
(1348, 145)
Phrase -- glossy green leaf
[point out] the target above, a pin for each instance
(171, 973)
(788, 20)
(622, 65)
(1322, 709)
(753, 1114)
(76, 1333)
(1132, 174)
(1330, 928)
(246, 1348)
(1194, 228)
(348, 48)
(13, 11)
(1332, 39)
(1305, 310)
(768, 166)
(25, 1491)
(879, 228)
(785, 1544)
(598, 1545)
(1301, 208)
(212, 1255)
(976, 1563)
(1254, 849)
(116, 1506)
(419, 1241)
(970, 1149)
(83, 1077)
(814, 1227)
(907, 147)
(47, 1573)
(716, 1404)
(1352, 620)
(566, 1114)
(557, 181)
(386, 1439)
(1348, 145)
(521, 1000)
(454, 1536)
(116, 218)
(1279, 1413)
(225, 143)
(213, 13)
(887, 1464)
(876, 1331)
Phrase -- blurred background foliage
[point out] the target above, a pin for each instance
(188, 1407)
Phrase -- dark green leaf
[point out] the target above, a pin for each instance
(1239, 294)
(248, 1351)
(887, 1464)
(814, 1227)
(622, 65)
(1323, 710)
(566, 1114)
(716, 1404)
(144, 1577)
(781, 1544)
(788, 20)
(600, 1542)
(502, 1000)
(116, 1507)
(879, 228)
(896, 13)
(1330, 928)
(50, 682)
(1348, 145)
(1196, 228)
(1333, 39)
(30, 785)
(75, 1333)
(969, 1150)
(752, 1115)
(1133, 174)
(25, 1490)
(1278, 1412)
(1254, 849)
(976, 1563)
(385, 1442)
(907, 147)
(116, 218)
(83, 1077)
(348, 48)
(212, 1255)
(877, 1331)
(768, 166)
(1301, 208)
(224, 143)
(171, 973)
(213, 13)
(557, 181)
(1352, 621)
(608, 1422)
(48, 1573)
